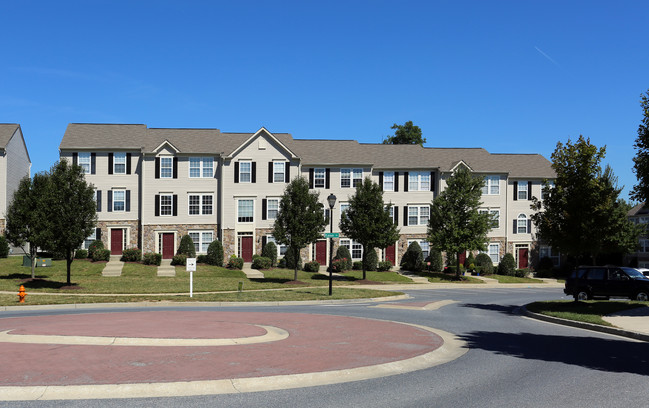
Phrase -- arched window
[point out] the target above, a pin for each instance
(521, 226)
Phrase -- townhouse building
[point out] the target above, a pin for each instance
(14, 165)
(155, 185)
(639, 214)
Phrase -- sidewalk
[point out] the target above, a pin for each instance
(113, 267)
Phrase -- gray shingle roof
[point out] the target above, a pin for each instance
(7, 130)
(311, 152)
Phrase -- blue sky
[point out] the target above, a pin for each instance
(509, 76)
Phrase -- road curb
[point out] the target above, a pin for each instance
(587, 326)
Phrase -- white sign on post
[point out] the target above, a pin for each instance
(191, 268)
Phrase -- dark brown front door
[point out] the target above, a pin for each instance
(522, 258)
(246, 249)
(116, 241)
(321, 252)
(168, 247)
(389, 254)
(462, 257)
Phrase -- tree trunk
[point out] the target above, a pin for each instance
(363, 261)
(68, 260)
(296, 254)
(457, 266)
(32, 256)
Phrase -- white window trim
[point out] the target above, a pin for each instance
(241, 172)
(350, 246)
(520, 218)
(171, 205)
(522, 188)
(421, 243)
(116, 161)
(84, 159)
(201, 167)
(268, 200)
(497, 254)
(200, 239)
(270, 238)
(117, 190)
(419, 215)
(276, 165)
(492, 211)
(253, 211)
(201, 209)
(489, 182)
(163, 167)
(353, 173)
(316, 179)
(386, 175)
(420, 175)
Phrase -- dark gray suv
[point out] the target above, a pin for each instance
(586, 282)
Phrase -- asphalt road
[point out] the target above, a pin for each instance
(513, 361)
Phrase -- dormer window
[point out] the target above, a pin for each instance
(166, 167)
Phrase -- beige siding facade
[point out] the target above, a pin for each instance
(15, 164)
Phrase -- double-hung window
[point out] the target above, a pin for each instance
(202, 240)
(319, 178)
(522, 190)
(201, 204)
(84, 162)
(166, 204)
(201, 167)
(554, 255)
(644, 245)
(119, 200)
(166, 167)
(272, 208)
(343, 207)
(491, 185)
(119, 163)
(355, 249)
(279, 167)
(418, 214)
(423, 244)
(521, 225)
(90, 239)
(245, 171)
(350, 177)
(245, 210)
(494, 252)
(495, 216)
(418, 181)
(281, 248)
(388, 181)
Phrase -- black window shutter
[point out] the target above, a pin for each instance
(110, 201)
(98, 200)
(264, 239)
(264, 203)
(128, 163)
(396, 181)
(405, 215)
(128, 200)
(157, 205)
(157, 167)
(254, 172)
(396, 215)
(175, 205)
(328, 177)
(515, 190)
(432, 181)
(405, 181)
(381, 179)
(98, 234)
(236, 172)
(110, 163)
(270, 171)
(75, 158)
(175, 167)
(529, 226)
(311, 176)
(93, 163)
(529, 190)
(515, 225)
(287, 173)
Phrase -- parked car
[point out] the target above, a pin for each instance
(644, 271)
(587, 282)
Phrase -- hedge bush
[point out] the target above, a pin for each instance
(370, 259)
(484, 264)
(507, 265)
(201, 259)
(235, 262)
(281, 263)
(152, 258)
(357, 265)
(313, 266)
(289, 259)
(101, 255)
(451, 269)
(94, 246)
(413, 259)
(384, 266)
(521, 273)
(4, 247)
(215, 253)
(179, 259)
(343, 253)
(261, 262)
(186, 247)
(270, 251)
(435, 259)
(81, 254)
(131, 255)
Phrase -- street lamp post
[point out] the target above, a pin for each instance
(332, 202)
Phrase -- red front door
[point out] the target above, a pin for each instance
(522, 258)
(321, 252)
(389, 254)
(116, 241)
(168, 247)
(246, 249)
(462, 257)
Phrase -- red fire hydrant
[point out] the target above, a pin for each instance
(21, 294)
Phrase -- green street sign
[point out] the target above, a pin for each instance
(332, 235)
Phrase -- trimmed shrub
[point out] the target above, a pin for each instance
(384, 266)
(370, 259)
(201, 259)
(94, 246)
(179, 259)
(435, 259)
(289, 258)
(357, 265)
(545, 263)
(131, 255)
(468, 261)
(484, 264)
(215, 253)
(151, 258)
(4, 247)
(270, 251)
(81, 254)
(281, 263)
(338, 265)
(313, 266)
(521, 273)
(261, 262)
(343, 253)
(101, 255)
(507, 265)
(235, 262)
(451, 269)
(186, 247)
(413, 259)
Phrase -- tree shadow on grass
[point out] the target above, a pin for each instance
(47, 284)
(21, 276)
(320, 276)
(601, 354)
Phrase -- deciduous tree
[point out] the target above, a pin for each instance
(405, 134)
(640, 191)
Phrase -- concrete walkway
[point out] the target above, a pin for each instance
(113, 267)
(251, 273)
(166, 269)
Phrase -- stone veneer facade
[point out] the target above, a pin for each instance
(149, 244)
(134, 236)
(2, 226)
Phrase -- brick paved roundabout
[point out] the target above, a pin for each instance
(175, 353)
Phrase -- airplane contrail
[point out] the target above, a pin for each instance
(546, 56)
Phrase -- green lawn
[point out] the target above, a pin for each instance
(590, 311)
(513, 279)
